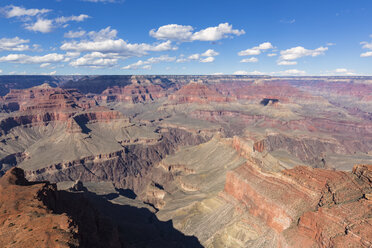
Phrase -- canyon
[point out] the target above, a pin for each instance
(185, 161)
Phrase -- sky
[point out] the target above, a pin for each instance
(244, 37)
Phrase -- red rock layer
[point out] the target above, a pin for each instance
(46, 98)
(37, 215)
(282, 91)
(133, 93)
(197, 93)
(308, 207)
(357, 90)
(24, 219)
(259, 146)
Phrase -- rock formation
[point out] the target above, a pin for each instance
(35, 214)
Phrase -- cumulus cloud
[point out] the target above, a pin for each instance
(49, 73)
(96, 60)
(210, 53)
(183, 33)
(299, 52)
(14, 44)
(248, 73)
(207, 60)
(343, 71)
(103, 34)
(368, 46)
(291, 72)
(73, 35)
(45, 65)
(173, 32)
(256, 50)
(272, 55)
(34, 20)
(41, 25)
(65, 19)
(105, 41)
(147, 63)
(366, 54)
(195, 56)
(286, 62)
(217, 33)
(15, 11)
(27, 59)
(1, 71)
(249, 60)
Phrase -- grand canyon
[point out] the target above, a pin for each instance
(185, 161)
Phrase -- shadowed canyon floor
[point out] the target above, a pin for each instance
(186, 161)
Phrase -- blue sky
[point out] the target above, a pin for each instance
(271, 37)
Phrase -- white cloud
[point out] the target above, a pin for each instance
(49, 73)
(27, 59)
(72, 35)
(96, 60)
(218, 73)
(210, 53)
(1, 71)
(185, 33)
(41, 25)
(13, 44)
(343, 71)
(291, 72)
(150, 61)
(248, 73)
(103, 34)
(45, 65)
(195, 56)
(217, 33)
(15, 11)
(299, 52)
(286, 62)
(105, 41)
(366, 54)
(272, 55)
(249, 60)
(207, 60)
(366, 45)
(147, 67)
(256, 50)
(173, 32)
(241, 73)
(64, 19)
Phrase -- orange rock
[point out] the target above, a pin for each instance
(197, 93)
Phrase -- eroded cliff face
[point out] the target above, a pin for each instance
(306, 206)
(136, 92)
(131, 167)
(197, 92)
(35, 214)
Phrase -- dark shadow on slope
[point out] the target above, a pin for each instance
(137, 227)
(127, 193)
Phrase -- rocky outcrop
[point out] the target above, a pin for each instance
(197, 92)
(45, 98)
(133, 93)
(35, 214)
(311, 207)
(131, 167)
